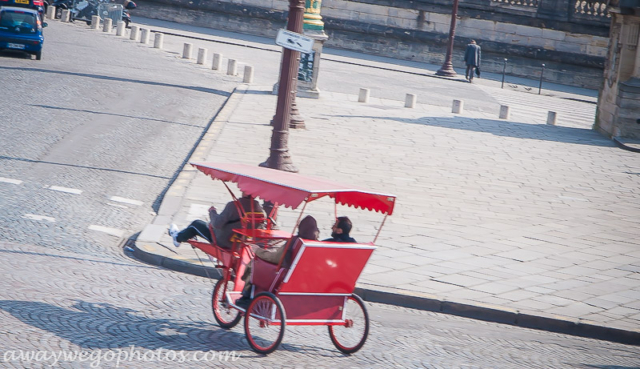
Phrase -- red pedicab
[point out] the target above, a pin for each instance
(317, 288)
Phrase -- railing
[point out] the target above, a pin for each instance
(598, 9)
(525, 3)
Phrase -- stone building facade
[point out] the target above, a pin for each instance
(569, 36)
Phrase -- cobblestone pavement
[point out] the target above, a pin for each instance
(55, 300)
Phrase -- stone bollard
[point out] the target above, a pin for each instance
(363, 96)
(186, 50)
(458, 107)
(217, 62)
(108, 25)
(202, 56)
(410, 101)
(505, 112)
(95, 22)
(134, 33)
(51, 12)
(232, 68)
(552, 118)
(144, 36)
(248, 74)
(65, 15)
(158, 41)
(120, 27)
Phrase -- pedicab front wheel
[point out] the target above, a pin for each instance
(264, 323)
(226, 316)
(350, 337)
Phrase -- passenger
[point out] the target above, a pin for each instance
(222, 224)
(307, 230)
(340, 231)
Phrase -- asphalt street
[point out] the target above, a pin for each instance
(97, 119)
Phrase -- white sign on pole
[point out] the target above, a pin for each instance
(294, 41)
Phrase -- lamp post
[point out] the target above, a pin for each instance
(447, 67)
(279, 157)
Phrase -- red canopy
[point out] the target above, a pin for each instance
(292, 189)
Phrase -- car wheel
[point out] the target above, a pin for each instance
(39, 55)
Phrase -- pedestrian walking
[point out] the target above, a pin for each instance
(472, 59)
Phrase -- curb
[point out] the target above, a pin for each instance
(556, 324)
(173, 264)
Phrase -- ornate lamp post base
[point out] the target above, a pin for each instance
(447, 67)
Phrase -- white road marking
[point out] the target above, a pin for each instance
(107, 230)
(9, 180)
(126, 201)
(65, 189)
(39, 217)
(117, 205)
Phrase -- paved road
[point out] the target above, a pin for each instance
(92, 135)
(57, 300)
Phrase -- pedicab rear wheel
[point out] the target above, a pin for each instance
(226, 316)
(264, 323)
(351, 337)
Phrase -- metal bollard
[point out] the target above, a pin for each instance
(232, 68)
(217, 62)
(410, 101)
(51, 12)
(144, 36)
(552, 118)
(505, 112)
(95, 22)
(363, 96)
(120, 27)
(186, 50)
(65, 16)
(458, 107)
(158, 41)
(248, 74)
(134, 33)
(202, 56)
(108, 25)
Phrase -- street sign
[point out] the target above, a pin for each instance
(294, 41)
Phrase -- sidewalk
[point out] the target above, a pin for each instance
(509, 221)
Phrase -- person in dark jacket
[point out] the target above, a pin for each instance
(340, 231)
(472, 56)
(223, 224)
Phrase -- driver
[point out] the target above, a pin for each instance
(222, 224)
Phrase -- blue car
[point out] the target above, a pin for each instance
(21, 30)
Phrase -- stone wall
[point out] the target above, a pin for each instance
(569, 36)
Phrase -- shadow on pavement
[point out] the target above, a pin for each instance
(503, 128)
(106, 326)
(110, 78)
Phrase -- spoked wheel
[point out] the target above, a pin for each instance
(226, 316)
(351, 337)
(264, 323)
